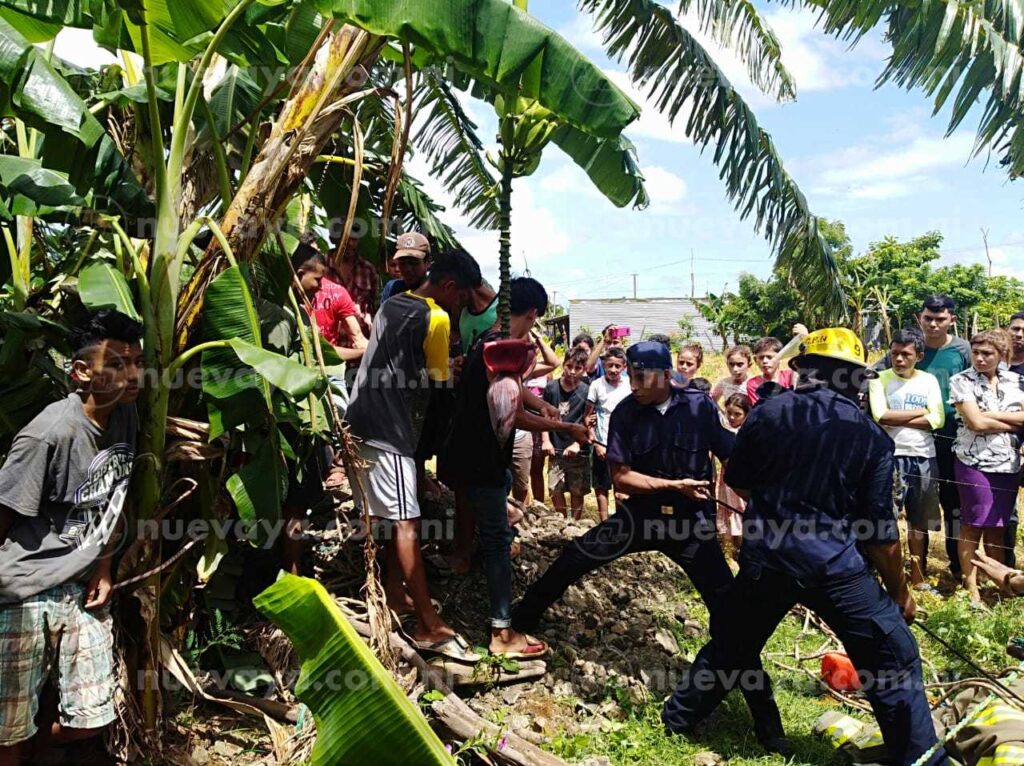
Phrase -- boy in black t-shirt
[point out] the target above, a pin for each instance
(479, 465)
(569, 467)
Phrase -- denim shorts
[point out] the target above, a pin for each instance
(916, 488)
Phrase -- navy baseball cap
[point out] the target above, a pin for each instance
(648, 355)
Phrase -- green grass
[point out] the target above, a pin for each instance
(639, 738)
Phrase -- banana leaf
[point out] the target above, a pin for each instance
(74, 141)
(29, 189)
(229, 314)
(101, 286)
(494, 41)
(361, 714)
(293, 378)
(258, 488)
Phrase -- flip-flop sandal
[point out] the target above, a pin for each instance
(530, 641)
(454, 648)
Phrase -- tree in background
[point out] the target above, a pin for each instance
(884, 289)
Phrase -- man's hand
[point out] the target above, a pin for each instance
(456, 366)
(591, 420)
(994, 569)
(360, 342)
(693, 489)
(600, 451)
(907, 605)
(100, 586)
(578, 433)
(548, 448)
(800, 329)
(572, 450)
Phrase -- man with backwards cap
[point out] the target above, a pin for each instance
(817, 473)
(412, 258)
(659, 444)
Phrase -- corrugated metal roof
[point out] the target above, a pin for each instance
(644, 317)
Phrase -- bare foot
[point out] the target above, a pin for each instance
(438, 631)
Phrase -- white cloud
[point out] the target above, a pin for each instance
(666, 189)
(884, 168)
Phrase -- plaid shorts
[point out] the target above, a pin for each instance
(50, 635)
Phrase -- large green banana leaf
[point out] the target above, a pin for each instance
(361, 714)
(74, 140)
(258, 488)
(27, 188)
(101, 286)
(496, 42)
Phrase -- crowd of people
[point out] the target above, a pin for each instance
(780, 483)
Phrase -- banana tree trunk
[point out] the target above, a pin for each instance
(308, 120)
(505, 248)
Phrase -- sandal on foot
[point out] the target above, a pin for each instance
(453, 647)
(527, 655)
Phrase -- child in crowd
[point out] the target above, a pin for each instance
(730, 523)
(766, 354)
(701, 384)
(569, 468)
(603, 396)
(908, 403)
(689, 360)
(737, 359)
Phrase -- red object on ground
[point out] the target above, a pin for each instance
(839, 673)
(509, 356)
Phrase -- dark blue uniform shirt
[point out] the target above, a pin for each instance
(674, 445)
(820, 477)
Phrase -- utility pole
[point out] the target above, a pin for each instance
(988, 256)
(634, 286)
(693, 277)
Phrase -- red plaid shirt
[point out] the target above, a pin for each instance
(363, 285)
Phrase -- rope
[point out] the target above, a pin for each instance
(960, 726)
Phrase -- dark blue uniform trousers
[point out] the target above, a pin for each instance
(690, 542)
(864, 618)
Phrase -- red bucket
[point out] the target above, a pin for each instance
(839, 673)
(513, 357)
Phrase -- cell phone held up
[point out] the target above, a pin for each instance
(620, 332)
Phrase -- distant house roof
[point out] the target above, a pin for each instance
(644, 316)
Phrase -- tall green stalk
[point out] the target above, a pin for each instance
(505, 245)
(160, 308)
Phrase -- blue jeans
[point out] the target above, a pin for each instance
(867, 622)
(488, 505)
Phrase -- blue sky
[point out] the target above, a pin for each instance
(874, 159)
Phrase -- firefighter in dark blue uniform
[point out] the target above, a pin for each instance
(818, 473)
(659, 444)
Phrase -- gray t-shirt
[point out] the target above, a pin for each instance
(66, 479)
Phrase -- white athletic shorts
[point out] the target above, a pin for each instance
(390, 482)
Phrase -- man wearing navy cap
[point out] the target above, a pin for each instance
(659, 444)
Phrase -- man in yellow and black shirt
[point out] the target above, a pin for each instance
(407, 357)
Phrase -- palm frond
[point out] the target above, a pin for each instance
(951, 49)
(737, 25)
(414, 206)
(680, 76)
(448, 138)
